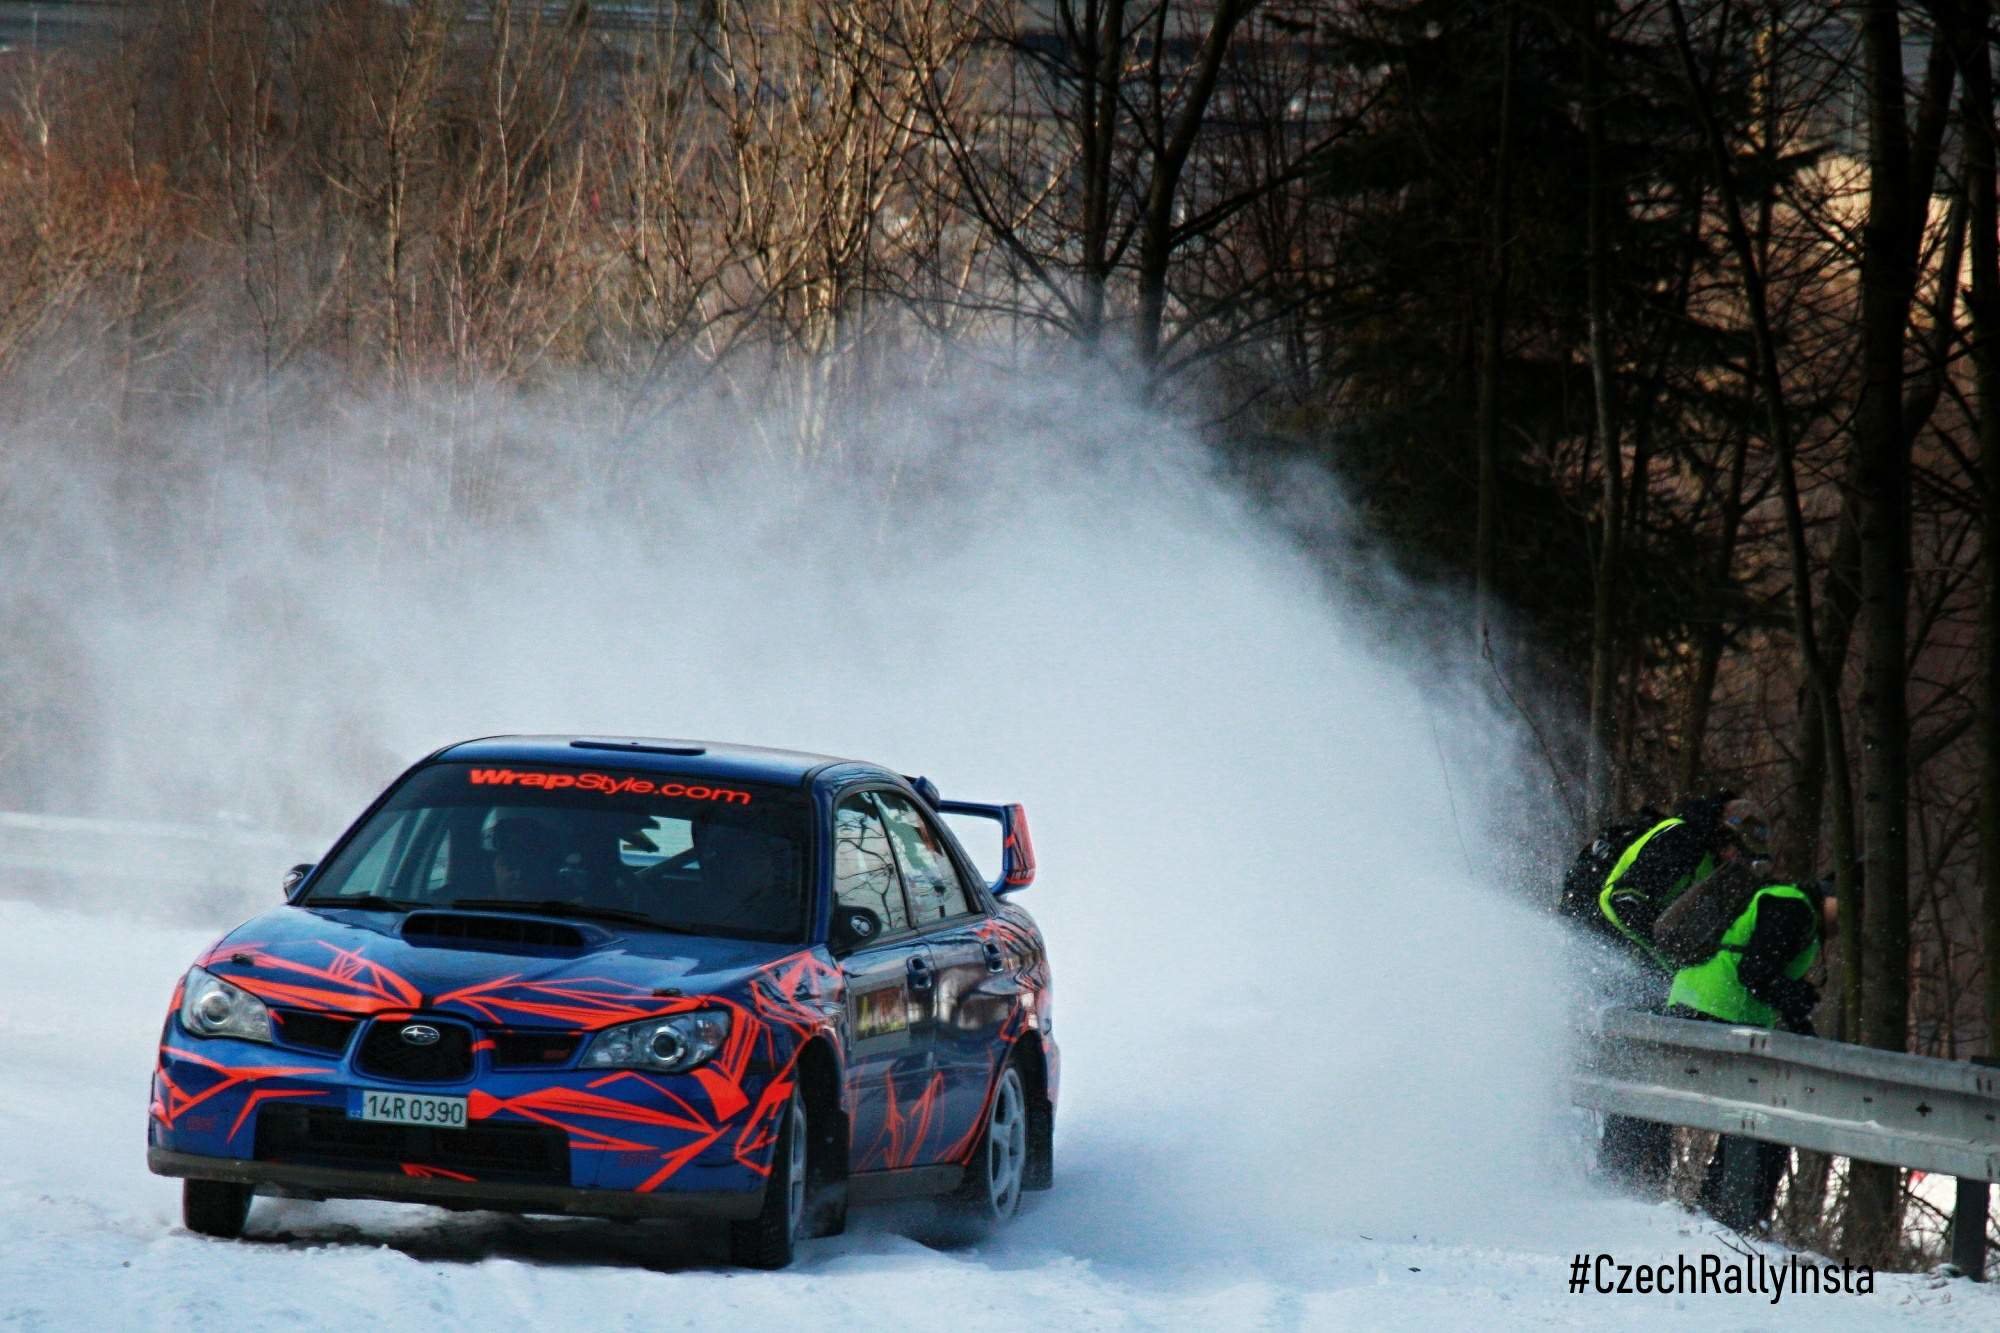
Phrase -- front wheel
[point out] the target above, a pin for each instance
(770, 1239)
(998, 1170)
(215, 1207)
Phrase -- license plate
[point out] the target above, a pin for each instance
(407, 1108)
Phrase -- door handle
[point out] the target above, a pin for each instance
(920, 972)
(995, 960)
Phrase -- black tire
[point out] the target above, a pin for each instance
(770, 1239)
(996, 1175)
(215, 1207)
(826, 1172)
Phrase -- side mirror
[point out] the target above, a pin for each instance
(852, 928)
(297, 875)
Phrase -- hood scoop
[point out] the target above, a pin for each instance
(477, 930)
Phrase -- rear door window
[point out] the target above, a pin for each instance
(935, 889)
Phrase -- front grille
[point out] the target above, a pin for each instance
(324, 1136)
(516, 1050)
(384, 1052)
(316, 1032)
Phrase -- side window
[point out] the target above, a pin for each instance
(936, 891)
(405, 860)
(864, 870)
(426, 862)
(371, 873)
(435, 878)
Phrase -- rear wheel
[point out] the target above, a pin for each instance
(770, 1239)
(215, 1207)
(994, 1178)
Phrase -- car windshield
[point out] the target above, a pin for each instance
(677, 853)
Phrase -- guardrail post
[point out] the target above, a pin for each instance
(1969, 1214)
(1741, 1162)
(1968, 1229)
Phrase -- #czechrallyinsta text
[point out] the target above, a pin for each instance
(1746, 1274)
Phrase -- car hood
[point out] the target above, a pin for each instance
(557, 973)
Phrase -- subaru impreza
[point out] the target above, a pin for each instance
(627, 978)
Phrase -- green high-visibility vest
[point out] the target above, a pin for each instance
(1623, 864)
(1714, 988)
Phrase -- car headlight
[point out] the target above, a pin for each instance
(211, 1007)
(671, 1045)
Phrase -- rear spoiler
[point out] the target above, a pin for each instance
(1017, 848)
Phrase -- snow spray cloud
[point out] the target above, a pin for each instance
(1293, 999)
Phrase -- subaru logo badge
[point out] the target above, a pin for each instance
(421, 1034)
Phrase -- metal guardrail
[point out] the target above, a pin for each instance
(1902, 1110)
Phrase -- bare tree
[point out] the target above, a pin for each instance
(1901, 164)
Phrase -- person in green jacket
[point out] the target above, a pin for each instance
(1757, 978)
(1674, 854)
(1670, 858)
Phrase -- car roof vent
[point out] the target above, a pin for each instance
(476, 929)
(643, 747)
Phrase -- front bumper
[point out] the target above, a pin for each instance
(294, 1181)
(616, 1143)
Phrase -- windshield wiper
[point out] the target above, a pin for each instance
(563, 907)
(367, 902)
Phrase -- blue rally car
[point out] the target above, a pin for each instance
(626, 978)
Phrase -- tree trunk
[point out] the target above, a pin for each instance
(1983, 206)
(1816, 762)
(1882, 475)
(1099, 43)
(1604, 607)
(1492, 343)
(1708, 660)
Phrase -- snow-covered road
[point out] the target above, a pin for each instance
(1134, 1235)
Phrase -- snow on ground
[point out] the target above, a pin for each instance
(90, 1240)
